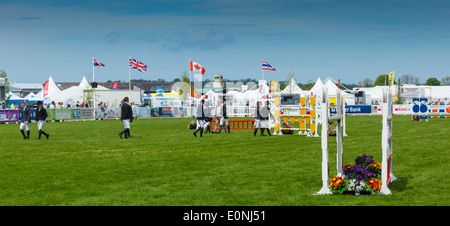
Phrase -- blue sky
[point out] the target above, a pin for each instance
(349, 40)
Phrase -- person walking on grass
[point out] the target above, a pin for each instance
(208, 118)
(218, 114)
(126, 118)
(265, 112)
(200, 118)
(258, 120)
(25, 120)
(41, 116)
(224, 120)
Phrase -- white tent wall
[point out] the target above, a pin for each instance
(114, 97)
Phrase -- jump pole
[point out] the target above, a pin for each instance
(386, 144)
(326, 119)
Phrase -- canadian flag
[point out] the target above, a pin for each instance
(197, 67)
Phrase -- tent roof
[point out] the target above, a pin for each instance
(317, 86)
(52, 87)
(292, 87)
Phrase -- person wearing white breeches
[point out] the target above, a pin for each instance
(25, 120)
(126, 117)
(200, 119)
(41, 116)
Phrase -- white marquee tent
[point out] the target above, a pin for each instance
(74, 93)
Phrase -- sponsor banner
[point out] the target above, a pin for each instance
(241, 111)
(62, 114)
(355, 109)
(81, 113)
(9, 115)
(401, 109)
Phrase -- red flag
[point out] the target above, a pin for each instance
(45, 88)
(114, 86)
(197, 67)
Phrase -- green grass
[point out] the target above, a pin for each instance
(85, 163)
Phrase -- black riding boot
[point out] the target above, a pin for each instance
(28, 134)
(122, 132)
(220, 129)
(128, 133)
(23, 133)
(262, 132)
(201, 132)
(254, 132)
(195, 132)
(45, 134)
(40, 132)
(268, 131)
(228, 128)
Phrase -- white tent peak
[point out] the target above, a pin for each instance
(292, 87)
(317, 88)
(52, 87)
(84, 84)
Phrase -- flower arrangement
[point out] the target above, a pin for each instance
(357, 178)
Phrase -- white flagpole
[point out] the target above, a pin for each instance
(129, 79)
(262, 72)
(190, 80)
(93, 78)
(190, 86)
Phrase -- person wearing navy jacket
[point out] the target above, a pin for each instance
(25, 120)
(200, 118)
(126, 117)
(258, 119)
(41, 116)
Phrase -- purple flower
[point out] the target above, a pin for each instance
(359, 177)
(371, 156)
(344, 170)
(364, 156)
(359, 170)
(352, 169)
(369, 160)
(372, 174)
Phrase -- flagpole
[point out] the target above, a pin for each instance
(93, 78)
(262, 72)
(129, 81)
(190, 86)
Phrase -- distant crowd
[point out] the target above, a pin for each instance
(51, 105)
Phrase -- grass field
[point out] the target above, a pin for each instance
(85, 163)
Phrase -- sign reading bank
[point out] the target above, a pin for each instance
(355, 109)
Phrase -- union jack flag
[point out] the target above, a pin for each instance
(135, 64)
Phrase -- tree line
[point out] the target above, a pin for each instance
(382, 80)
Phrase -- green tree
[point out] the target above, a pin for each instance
(365, 83)
(7, 84)
(381, 80)
(400, 99)
(445, 81)
(433, 82)
(185, 77)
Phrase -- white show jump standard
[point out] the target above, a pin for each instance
(386, 143)
(326, 119)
